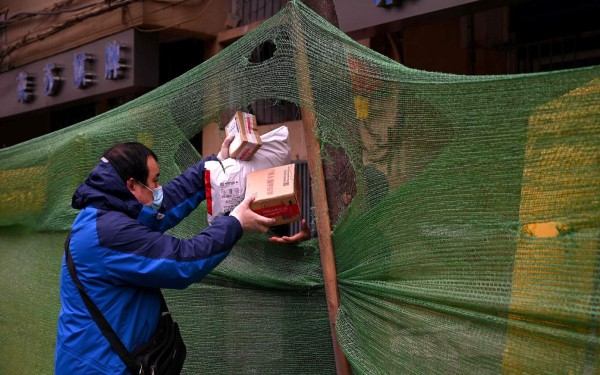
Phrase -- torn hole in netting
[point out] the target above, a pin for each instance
(263, 52)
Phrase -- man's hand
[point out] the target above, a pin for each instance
(303, 235)
(250, 220)
(224, 153)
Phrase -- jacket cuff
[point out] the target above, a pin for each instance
(234, 224)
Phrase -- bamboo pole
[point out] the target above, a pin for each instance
(309, 123)
(325, 238)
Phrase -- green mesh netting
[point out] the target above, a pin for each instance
(472, 244)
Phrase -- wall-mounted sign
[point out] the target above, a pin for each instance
(24, 87)
(82, 76)
(51, 79)
(130, 59)
(113, 60)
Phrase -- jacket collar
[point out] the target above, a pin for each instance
(104, 189)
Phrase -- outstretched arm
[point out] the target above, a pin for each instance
(182, 195)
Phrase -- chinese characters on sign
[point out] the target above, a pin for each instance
(51, 79)
(113, 60)
(386, 3)
(24, 87)
(83, 75)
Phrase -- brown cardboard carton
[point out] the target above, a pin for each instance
(247, 140)
(277, 192)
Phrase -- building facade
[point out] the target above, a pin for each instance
(64, 61)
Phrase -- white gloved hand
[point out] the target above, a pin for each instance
(224, 153)
(250, 220)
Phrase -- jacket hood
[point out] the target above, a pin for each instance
(104, 189)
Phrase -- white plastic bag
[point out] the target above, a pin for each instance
(225, 182)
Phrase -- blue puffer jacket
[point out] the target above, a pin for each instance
(123, 258)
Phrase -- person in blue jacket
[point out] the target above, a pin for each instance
(123, 257)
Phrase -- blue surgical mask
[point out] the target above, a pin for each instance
(157, 194)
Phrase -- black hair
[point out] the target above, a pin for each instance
(130, 160)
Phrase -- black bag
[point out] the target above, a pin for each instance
(163, 354)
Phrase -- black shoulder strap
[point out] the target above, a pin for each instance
(106, 329)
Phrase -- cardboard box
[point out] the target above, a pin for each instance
(247, 140)
(277, 193)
